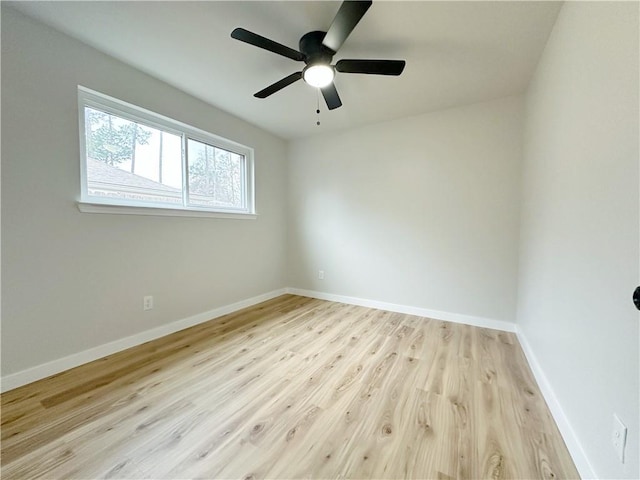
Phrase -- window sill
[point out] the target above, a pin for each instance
(161, 212)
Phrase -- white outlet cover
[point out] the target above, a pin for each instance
(619, 437)
(147, 302)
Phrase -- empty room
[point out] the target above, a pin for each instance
(320, 239)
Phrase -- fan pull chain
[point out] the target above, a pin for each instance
(318, 107)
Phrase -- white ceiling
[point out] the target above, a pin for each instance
(457, 53)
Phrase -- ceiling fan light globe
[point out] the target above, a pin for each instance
(318, 76)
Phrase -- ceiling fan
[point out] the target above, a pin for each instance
(316, 50)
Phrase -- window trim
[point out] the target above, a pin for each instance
(122, 109)
(160, 212)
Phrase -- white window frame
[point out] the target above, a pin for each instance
(94, 204)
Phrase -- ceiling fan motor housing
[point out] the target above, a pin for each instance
(313, 50)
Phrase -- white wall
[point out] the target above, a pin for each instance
(420, 212)
(73, 281)
(579, 257)
(423, 212)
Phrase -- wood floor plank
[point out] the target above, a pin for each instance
(292, 388)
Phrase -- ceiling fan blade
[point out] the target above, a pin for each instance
(331, 96)
(279, 85)
(262, 42)
(372, 67)
(346, 19)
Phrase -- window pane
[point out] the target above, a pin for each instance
(216, 176)
(130, 161)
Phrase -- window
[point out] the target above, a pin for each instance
(131, 157)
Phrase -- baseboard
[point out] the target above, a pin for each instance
(38, 372)
(44, 370)
(418, 311)
(566, 430)
(573, 444)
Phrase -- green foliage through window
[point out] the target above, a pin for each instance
(215, 175)
(113, 140)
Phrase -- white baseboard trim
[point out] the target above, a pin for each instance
(573, 444)
(44, 370)
(418, 311)
(38, 372)
(566, 430)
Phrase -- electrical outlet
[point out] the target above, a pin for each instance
(619, 437)
(321, 274)
(147, 302)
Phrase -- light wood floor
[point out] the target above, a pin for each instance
(292, 388)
